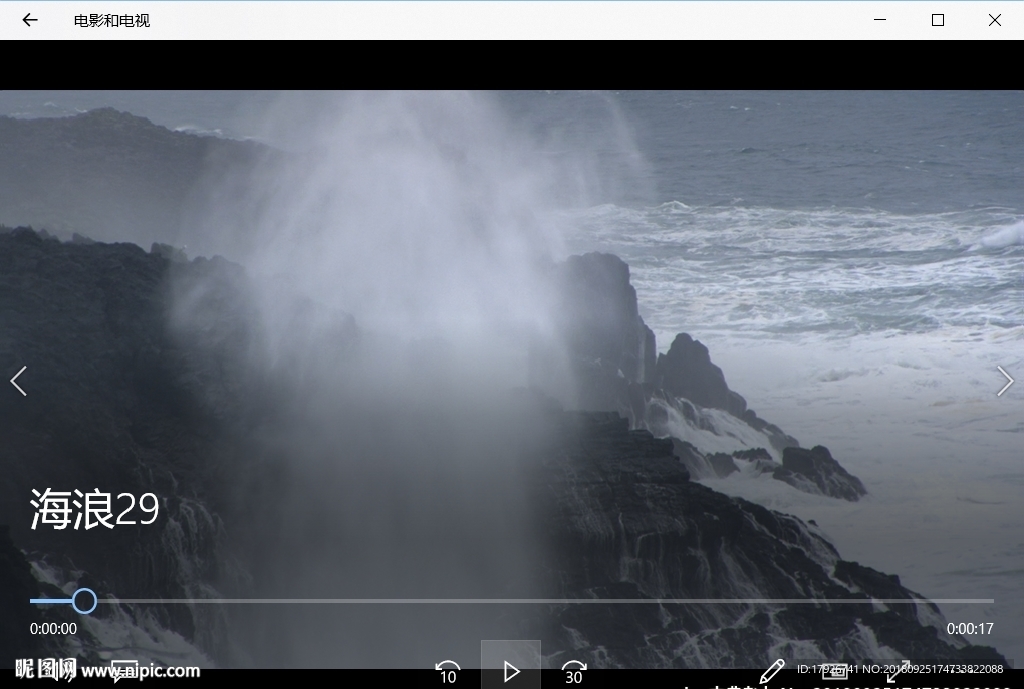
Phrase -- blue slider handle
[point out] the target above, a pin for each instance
(69, 601)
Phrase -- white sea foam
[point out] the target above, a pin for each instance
(1007, 236)
(833, 272)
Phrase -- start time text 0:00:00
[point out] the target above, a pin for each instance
(64, 628)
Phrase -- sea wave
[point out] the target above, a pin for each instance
(816, 272)
(1004, 237)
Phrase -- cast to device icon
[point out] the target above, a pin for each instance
(835, 671)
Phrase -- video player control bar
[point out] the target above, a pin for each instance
(512, 19)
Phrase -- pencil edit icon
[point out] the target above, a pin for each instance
(770, 672)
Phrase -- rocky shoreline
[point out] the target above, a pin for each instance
(612, 354)
(142, 412)
(126, 396)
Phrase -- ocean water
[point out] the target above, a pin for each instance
(860, 286)
(854, 261)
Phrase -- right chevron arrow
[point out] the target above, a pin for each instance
(1007, 386)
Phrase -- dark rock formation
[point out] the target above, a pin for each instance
(759, 462)
(611, 352)
(613, 361)
(752, 454)
(686, 371)
(648, 533)
(701, 466)
(691, 458)
(169, 252)
(722, 464)
(815, 471)
(599, 310)
(811, 471)
(116, 403)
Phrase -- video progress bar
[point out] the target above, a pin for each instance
(547, 601)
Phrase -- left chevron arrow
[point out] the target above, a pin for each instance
(16, 377)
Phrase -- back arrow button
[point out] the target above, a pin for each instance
(27, 20)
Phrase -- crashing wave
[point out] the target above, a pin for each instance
(1004, 237)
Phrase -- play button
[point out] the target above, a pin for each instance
(510, 664)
